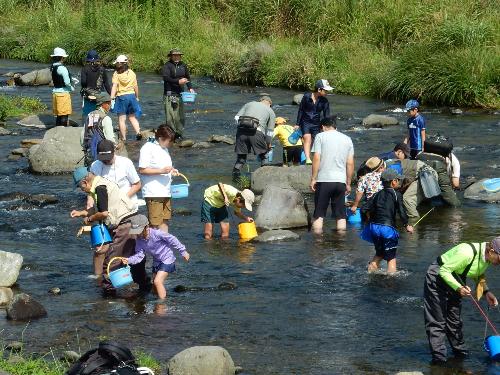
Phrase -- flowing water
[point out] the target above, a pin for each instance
(302, 307)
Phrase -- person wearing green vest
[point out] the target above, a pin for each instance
(444, 287)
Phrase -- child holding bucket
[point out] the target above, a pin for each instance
(370, 183)
(381, 231)
(214, 207)
(291, 152)
(158, 244)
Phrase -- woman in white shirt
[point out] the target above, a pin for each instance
(156, 170)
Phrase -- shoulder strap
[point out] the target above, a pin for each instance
(463, 276)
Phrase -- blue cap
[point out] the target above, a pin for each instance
(412, 104)
(92, 55)
(79, 174)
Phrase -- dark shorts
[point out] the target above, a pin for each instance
(211, 214)
(127, 104)
(159, 266)
(327, 192)
(385, 238)
(292, 154)
(245, 144)
(312, 129)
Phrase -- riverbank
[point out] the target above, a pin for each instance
(442, 53)
(16, 106)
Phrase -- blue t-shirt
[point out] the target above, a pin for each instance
(415, 126)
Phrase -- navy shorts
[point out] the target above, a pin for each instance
(312, 129)
(385, 238)
(211, 214)
(127, 104)
(159, 266)
(327, 192)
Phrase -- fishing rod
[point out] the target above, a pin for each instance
(484, 315)
(419, 220)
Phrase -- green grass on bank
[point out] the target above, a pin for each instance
(15, 106)
(440, 51)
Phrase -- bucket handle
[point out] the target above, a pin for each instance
(180, 174)
(111, 261)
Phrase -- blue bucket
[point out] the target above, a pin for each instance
(294, 137)
(492, 346)
(353, 218)
(302, 158)
(188, 97)
(99, 235)
(180, 190)
(120, 277)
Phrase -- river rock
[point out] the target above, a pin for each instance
(202, 360)
(60, 151)
(281, 207)
(4, 131)
(379, 121)
(186, 143)
(202, 145)
(221, 139)
(15, 346)
(297, 98)
(10, 265)
(477, 191)
(23, 307)
(70, 356)
(30, 142)
(410, 373)
(13, 157)
(21, 151)
(34, 78)
(276, 235)
(6, 295)
(298, 177)
(44, 121)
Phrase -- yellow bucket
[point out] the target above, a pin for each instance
(247, 231)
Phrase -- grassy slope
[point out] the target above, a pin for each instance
(440, 51)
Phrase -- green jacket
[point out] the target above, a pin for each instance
(458, 258)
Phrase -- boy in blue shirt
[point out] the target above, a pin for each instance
(416, 129)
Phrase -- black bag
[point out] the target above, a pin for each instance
(108, 357)
(438, 144)
(93, 133)
(248, 125)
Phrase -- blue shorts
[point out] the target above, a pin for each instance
(127, 104)
(159, 266)
(312, 129)
(211, 214)
(384, 237)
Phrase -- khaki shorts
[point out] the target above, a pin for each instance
(159, 210)
(61, 103)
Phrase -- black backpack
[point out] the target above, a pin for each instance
(108, 358)
(438, 144)
(92, 135)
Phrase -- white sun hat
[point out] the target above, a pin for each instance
(121, 59)
(59, 52)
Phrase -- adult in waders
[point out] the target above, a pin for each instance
(175, 76)
(115, 209)
(98, 126)
(445, 285)
(94, 80)
(254, 132)
(61, 98)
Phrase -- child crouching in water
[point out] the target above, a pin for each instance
(380, 230)
(159, 244)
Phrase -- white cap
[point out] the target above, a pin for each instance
(323, 84)
(249, 198)
(121, 59)
(59, 52)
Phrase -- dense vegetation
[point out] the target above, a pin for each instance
(440, 51)
(12, 106)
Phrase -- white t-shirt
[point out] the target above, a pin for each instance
(334, 148)
(152, 155)
(122, 171)
(453, 167)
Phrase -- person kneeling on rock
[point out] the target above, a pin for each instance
(214, 207)
(159, 244)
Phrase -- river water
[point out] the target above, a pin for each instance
(303, 307)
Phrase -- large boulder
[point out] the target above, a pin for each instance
(202, 360)
(298, 177)
(42, 121)
(6, 295)
(477, 192)
(10, 265)
(59, 152)
(297, 98)
(276, 235)
(23, 307)
(281, 207)
(379, 121)
(34, 78)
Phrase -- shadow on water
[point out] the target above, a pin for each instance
(301, 307)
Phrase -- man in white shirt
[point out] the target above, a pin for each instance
(332, 169)
(118, 169)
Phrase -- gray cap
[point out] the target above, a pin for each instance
(266, 98)
(102, 97)
(495, 244)
(138, 223)
(390, 174)
(175, 51)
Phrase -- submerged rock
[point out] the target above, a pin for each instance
(59, 152)
(281, 207)
(202, 360)
(202, 145)
(379, 121)
(221, 139)
(4, 131)
(6, 295)
(15, 346)
(23, 307)
(226, 285)
(276, 235)
(10, 265)
(36, 200)
(30, 142)
(44, 121)
(21, 151)
(34, 78)
(476, 191)
(186, 143)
